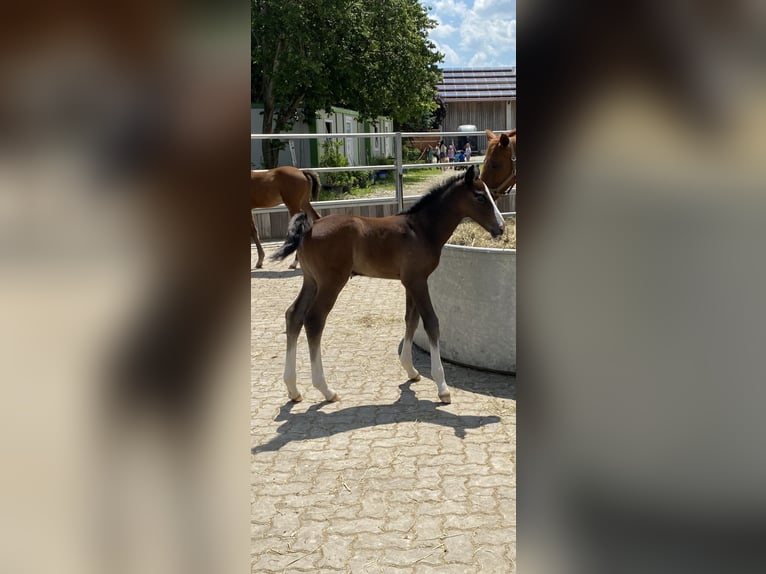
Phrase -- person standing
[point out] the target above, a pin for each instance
(451, 153)
(442, 152)
(467, 150)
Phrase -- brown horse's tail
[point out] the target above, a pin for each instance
(315, 185)
(299, 225)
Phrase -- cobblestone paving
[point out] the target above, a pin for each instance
(388, 480)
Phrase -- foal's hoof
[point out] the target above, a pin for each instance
(415, 378)
(296, 399)
(334, 399)
(445, 398)
(259, 265)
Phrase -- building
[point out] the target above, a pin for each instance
(483, 97)
(306, 153)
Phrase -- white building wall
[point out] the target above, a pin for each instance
(301, 147)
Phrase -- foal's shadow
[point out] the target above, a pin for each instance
(467, 379)
(261, 274)
(408, 408)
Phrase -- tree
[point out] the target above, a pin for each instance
(428, 121)
(373, 57)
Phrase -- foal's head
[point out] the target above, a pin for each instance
(474, 200)
(499, 169)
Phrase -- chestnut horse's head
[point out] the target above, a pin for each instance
(477, 203)
(499, 168)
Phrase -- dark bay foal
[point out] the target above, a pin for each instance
(406, 247)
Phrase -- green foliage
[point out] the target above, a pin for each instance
(332, 157)
(362, 178)
(382, 160)
(410, 154)
(373, 57)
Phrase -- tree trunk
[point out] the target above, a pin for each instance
(270, 151)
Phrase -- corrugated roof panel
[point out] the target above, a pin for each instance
(478, 83)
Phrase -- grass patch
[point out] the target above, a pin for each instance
(353, 193)
(472, 234)
(413, 176)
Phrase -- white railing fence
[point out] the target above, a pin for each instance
(398, 166)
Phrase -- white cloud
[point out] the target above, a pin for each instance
(478, 60)
(451, 57)
(483, 35)
(498, 8)
(448, 7)
(442, 29)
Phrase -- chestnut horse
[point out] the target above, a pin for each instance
(499, 168)
(406, 247)
(288, 185)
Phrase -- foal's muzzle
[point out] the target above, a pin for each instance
(497, 231)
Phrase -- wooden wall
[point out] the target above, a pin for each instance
(272, 223)
(482, 114)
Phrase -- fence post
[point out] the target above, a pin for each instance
(399, 171)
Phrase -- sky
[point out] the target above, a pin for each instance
(474, 33)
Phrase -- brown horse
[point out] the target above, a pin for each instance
(288, 185)
(499, 168)
(406, 246)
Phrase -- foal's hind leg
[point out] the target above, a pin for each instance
(314, 323)
(294, 264)
(294, 317)
(254, 234)
(411, 318)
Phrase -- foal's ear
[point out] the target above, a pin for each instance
(490, 134)
(504, 140)
(470, 174)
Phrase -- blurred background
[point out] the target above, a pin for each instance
(124, 289)
(641, 291)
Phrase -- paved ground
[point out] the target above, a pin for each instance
(388, 480)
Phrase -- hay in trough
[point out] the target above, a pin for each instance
(472, 234)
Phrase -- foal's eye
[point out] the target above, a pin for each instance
(480, 197)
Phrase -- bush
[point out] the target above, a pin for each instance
(382, 160)
(332, 157)
(410, 153)
(362, 178)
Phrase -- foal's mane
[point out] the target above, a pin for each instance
(435, 195)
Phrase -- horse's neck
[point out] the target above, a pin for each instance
(438, 221)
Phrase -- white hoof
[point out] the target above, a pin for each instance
(334, 399)
(445, 398)
(297, 398)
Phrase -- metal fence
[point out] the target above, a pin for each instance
(398, 166)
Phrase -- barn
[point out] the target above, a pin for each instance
(483, 97)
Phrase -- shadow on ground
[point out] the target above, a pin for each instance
(408, 408)
(261, 274)
(466, 378)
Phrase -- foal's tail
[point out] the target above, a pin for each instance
(299, 225)
(315, 185)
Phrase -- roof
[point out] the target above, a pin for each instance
(478, 84)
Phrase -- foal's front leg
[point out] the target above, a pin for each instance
(411, 319)
(419, 291)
